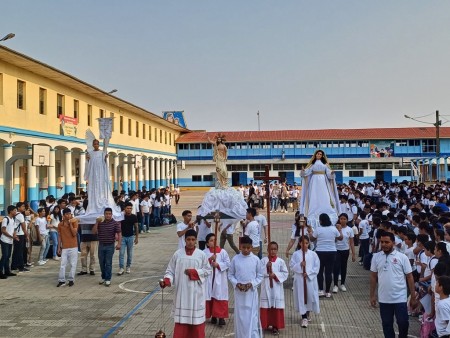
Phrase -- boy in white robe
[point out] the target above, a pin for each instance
(187, 271)
(275, 272)
(245, 276)
(217, 294)
(312, 266)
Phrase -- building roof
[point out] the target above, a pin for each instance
(25, 62)
(318, 135)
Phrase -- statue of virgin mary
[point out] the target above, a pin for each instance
(319, 191)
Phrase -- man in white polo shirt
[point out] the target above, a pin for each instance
(389, 268)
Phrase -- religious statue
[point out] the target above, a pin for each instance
(319, 191)
(220, 156)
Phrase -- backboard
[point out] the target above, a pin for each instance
(41, 155)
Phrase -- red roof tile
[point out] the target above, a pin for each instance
(318, 135)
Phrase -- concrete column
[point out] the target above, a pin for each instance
(175, 173)
(82, 167)
(157, 172)
(68, 171)
(141, 175)
(152, 173)
(125, 174)
(32, 188)
(163, 173)
(7, 154)
(133, 175)
(52, 173)
(115, 173)
(147, 172)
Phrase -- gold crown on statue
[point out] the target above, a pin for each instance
(221, 136)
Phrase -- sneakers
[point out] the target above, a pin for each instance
(71, 283)
(102, 282)
(335, 289)
(305, 323)
(107, 283)
(128, 270)
(56, 258)
(321, 293)
(328, 295)
(61, 284)
(81, 273)
(24, 270)
(120, 273)
(343, 288)
(41, 262)
(29, 264)
(275, 331)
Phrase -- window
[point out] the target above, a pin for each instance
(165, 137)
(207, 178)
(150, 133)
(299, 166)
(356, 173)
(76, 108)
(429, 146)
(89, 117)
(144, 130)
(237, 167)
(258, 174)
(20, 94)
(196, 178)
(59, 105)
(414, 143)
(255, 145)
(404, 172)
(121, 124)
(401, 143)
(137, 128)
(265, 145)
(289, 145)
(206, 146)
(277, 145)
(1, 88)
(356, 166)
(258, 167)
(113, 122)
(42, 101)
(170, 138)
(403, 165)
(381, 165)
(156, 134)
(284, 166)
(129, 127)
(194, 146)
(160, 136)
(101, 113)
(301, 145)
(182, 146)
(337, 166)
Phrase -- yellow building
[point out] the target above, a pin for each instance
(43, 105)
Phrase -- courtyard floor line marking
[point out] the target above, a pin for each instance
(129, 314)
(122, 285)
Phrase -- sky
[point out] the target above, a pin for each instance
(301, 64)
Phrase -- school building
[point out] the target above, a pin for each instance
(43, 105)
(361, 155)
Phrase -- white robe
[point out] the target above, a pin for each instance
(319, 194)
(246, 269)
(99, 189)
(312, 269)
(189, 299)
(220, 290)
(273, 297)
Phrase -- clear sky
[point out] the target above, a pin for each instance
(302, 64)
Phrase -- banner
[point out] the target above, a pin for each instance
(381, 148)
(105, 127)
(176, 117)
(68, 125)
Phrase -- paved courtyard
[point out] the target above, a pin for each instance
(32, 306)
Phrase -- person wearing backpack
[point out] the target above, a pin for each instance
(18, 261)
(6, 240)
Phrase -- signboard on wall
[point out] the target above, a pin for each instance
(68, 125)
(381, 148)
(176, 117)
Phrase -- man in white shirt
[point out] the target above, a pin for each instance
(262, 227)
(389, 268)
(226, 234)
(183, 227)
(8, 231)
(251, 229)
(18, 259)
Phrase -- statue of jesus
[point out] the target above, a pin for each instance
(220, 156)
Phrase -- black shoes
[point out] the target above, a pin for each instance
(71, 283)
(61, 284)
(213, 320)
(92, 273)
(3, 276)
(10, 274)
(81, 273)
(221, 322)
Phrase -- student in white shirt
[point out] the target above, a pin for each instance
(262, 223)
(251, 229)
(388, 269)
(183, 227)
(442, 320)
(42, 230)
(364, 239)
(343, 251)
(6, 240)
(145, 214)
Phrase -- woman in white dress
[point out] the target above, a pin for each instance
(319, 191)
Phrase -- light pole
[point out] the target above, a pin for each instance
(8, 36)
(112, 91)
(437, 125)
(259, 125)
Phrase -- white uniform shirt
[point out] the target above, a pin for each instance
(145, 206)
(442, 320)
(262, 222)
(9, 224)
(41, 222)
(19, 220)
(326, 238)
(344, 244)
(203, 230)
(391, 271)
(181, 242)
(252, 231)
(365, 227)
